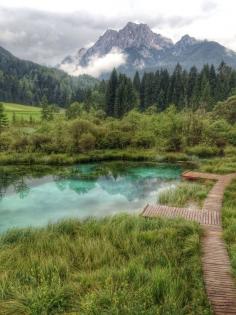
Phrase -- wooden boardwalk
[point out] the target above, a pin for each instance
(219, 282)
(202, 217)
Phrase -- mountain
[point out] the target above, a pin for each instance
(26, 82)
(142, 49)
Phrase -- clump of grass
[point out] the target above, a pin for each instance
(223, 165)
(185, 194)
(118, 265)
(229, 222)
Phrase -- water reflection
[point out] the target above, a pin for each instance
(35, 196)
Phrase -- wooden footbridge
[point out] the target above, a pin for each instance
(218, 278)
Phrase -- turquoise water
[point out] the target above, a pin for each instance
(29, 198)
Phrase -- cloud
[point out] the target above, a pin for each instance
(11, 37)
(98, 65)
(47, 37)
(209, 6)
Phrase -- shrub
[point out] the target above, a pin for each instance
(87, 142)
(80, 127)
(38, 140)
(20, 144)
(5, 141)
(144, 140)
(231, 136)
(203, 151)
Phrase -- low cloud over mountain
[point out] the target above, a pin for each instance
(137, 47)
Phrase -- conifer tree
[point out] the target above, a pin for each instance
(137, 82)
(111, 93)
(14, 117)
(191, 85)
(3, 118)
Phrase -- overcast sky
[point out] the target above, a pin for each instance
(46, 31)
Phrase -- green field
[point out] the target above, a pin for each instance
(22, 111)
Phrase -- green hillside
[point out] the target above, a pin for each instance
(30, 83)
(22, 111)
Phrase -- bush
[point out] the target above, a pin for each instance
(87, 142)
(203, 151)
(144, 140)
(231, 136)
(5, 141)
(39, 140)
(20, 144)
(115, 140)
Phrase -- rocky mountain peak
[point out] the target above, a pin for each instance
(136, 46)
(138, 35)
(184, 43)
(186, 40)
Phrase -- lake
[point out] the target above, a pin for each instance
(38, 195)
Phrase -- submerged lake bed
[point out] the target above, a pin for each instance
(36, 196)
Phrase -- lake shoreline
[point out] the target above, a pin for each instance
(8, 158)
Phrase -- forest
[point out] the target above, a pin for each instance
(30, 83)
(190, 112)
(156, 91)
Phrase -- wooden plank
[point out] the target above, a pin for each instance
(219, 282)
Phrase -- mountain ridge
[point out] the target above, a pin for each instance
(144, 49)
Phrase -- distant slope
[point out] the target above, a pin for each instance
(21, 111)
(29, 83)
(25, 112)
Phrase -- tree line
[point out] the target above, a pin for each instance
(29, 83)
(156, 91)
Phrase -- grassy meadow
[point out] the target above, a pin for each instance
(22, 112)
(117, 265)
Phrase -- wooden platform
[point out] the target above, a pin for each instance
(202, 217)
(197, 175)
(219, 282)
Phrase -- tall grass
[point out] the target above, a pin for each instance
(119, 265)
(32, 158)
(229, 222)
(185, 194)
(223, 165)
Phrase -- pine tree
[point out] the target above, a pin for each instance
(111, 93)
(14, 118)
(164, 88)
(147, 95)
(143, 93)
(213, 82)
(137, 82)
(176, 95)
(31, 120)
(223, 78)
(205, 99)
(126, 97)
(191, 85)
(47, 112)
(3, 118)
